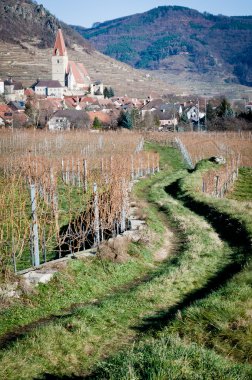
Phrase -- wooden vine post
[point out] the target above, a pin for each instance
(35, 238)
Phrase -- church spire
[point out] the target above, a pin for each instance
(59, 47)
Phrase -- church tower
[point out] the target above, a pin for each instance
(60, 60)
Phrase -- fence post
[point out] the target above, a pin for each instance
(216, 185)
(14, 255)
(123, 210)
(44, 246)
(96, 215)
(85, 175)
(35, 237)
(132, 168)
(184, 152)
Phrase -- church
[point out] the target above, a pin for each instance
(71, 75)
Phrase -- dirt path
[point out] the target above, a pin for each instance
(168, 246)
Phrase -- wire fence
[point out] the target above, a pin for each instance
(64, 193)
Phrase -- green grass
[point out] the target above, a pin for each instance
(218, 325)
(242, 190)
(170, 357)
(140, 302)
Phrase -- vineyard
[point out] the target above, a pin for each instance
(64, 193)
(179, 303)
(231, 150)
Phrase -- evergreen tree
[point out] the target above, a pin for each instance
(124, 120)
(106, 92)
(111, 92)
(224, 110)
(97, 123)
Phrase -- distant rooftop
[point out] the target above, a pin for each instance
(48, 84)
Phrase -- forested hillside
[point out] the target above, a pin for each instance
(179, 38)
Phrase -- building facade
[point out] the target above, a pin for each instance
(70, 74)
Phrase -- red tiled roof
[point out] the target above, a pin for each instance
(6, 112)
(102, 116)
(70, 102)
(79, 71)
(89, 100)
(4, 108)
(29, 92)
(59, 47)
(50, 103)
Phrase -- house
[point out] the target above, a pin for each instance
(18, 106)
(248, 107)
(176, 108)
(48, 88)
(68, 119)
(13, 90)
(193, 114)
(151, 105)
(46, 108)
(167, 113)
(77, 77)
(167, 118)
(97, 89)
(104, 117)
(6, 116)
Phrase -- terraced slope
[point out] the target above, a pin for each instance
(27, 36)
(28, 63)
(96, 309)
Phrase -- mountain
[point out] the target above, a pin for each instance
(24, 20)
(27, 36)
(177, 39)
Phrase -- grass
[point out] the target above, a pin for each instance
(217, 325)
(139, 302)
(242, 190)
(170, 357)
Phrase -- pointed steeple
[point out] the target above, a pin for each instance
(59, 47)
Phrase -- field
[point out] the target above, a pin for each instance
(62, 193)
(186, 316)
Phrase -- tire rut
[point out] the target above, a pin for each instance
(230, 230)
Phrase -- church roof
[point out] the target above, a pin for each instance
(48, 83)
(79, 72)
(59, 47)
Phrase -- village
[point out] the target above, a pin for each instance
(72, 100)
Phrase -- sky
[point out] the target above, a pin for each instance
(86, 12)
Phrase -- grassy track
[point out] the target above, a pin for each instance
(242, 190)
(217, 325)
(139, 301)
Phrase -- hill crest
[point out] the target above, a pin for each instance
(205, 43)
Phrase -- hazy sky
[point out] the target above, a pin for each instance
(86, 12)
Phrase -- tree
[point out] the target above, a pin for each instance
(210, 112)
(136, 118)
(125, 120)
(156, 122)
(148, 121)
(108, 92)
(225, 110)
(32, 110)
(111, 92)
(97, 123)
